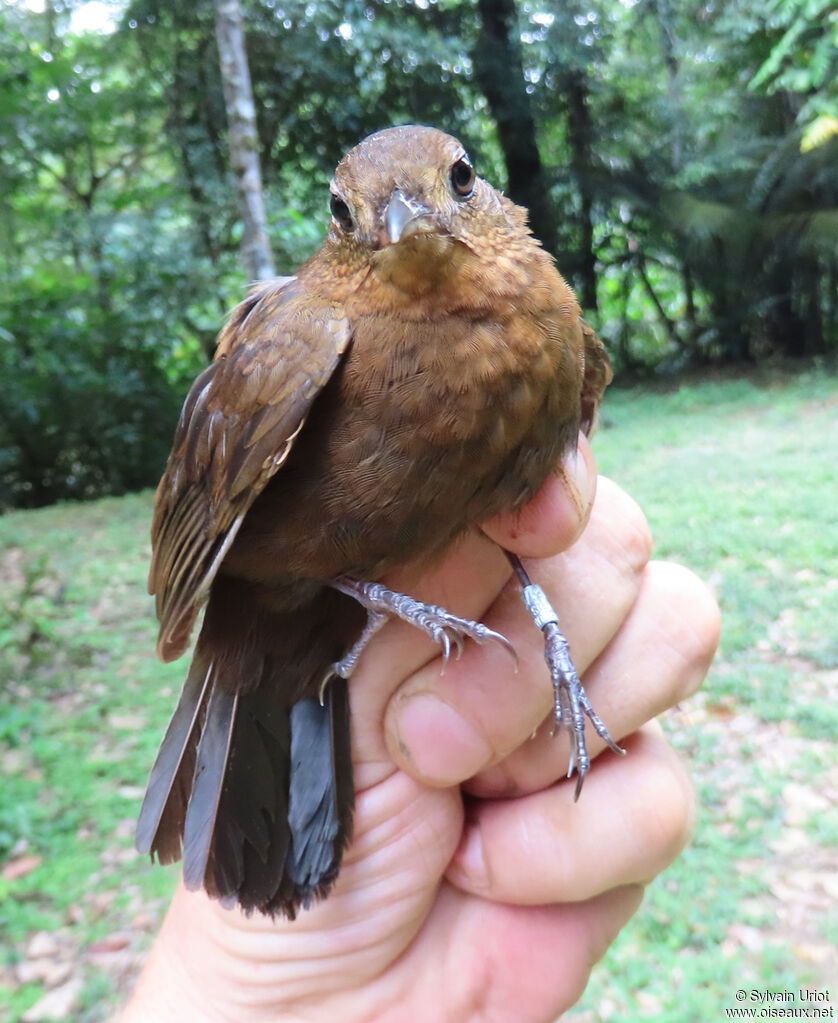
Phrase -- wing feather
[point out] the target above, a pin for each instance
(238, 424)
(598, 376)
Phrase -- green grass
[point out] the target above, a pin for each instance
(84, 703)
(738, 478)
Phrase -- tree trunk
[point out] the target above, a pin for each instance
(244, 144)
(579, 133)
(663, 16)
(499, 69)
(689, 300)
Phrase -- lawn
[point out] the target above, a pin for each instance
(738, 478)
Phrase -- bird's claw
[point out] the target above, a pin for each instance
(442, 626)
(324, 683)
(441, 637)
(571, 705)
(451, 629)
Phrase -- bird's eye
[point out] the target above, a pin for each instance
(463, 178)
(340, 211)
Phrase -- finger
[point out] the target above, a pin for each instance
(543, 955)
(634, 819)
(659, 657)
(444, 728)
(466, 582)
(556, 516)
(533, 961)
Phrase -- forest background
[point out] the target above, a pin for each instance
(679, 157)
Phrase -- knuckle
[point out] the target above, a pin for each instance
(630, 528)
(638, 539)
(695, 622)
(671, 812)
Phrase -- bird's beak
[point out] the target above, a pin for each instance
(399, 215)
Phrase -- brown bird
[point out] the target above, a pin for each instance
(425, 370)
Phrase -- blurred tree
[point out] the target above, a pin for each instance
(499, 69)
(673, 153)
(805, 61)
(88, 322)
(243, 139)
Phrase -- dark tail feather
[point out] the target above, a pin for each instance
(205, 799)
(258, 793)
(321, 801)
(248, 842)
(163, 813)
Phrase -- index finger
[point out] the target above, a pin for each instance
(558, 513)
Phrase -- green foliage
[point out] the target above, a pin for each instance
(27, 630)
(689, 153)
(83, 414)
(95, 336)
(711, 188)
(805, 61)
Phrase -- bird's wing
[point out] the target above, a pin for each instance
(238, 424)
(598, 376)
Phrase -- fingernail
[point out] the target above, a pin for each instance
(580, 480)
(468, 863)
(442, 746)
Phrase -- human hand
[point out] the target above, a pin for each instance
(497, 909)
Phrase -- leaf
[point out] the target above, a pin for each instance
(21, 866)
(820, 131)
(56, 1004)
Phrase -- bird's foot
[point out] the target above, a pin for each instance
(346, 665)
(571, 704)
(570, 701)
(447, 629)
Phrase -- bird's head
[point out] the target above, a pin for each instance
(408, 200)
